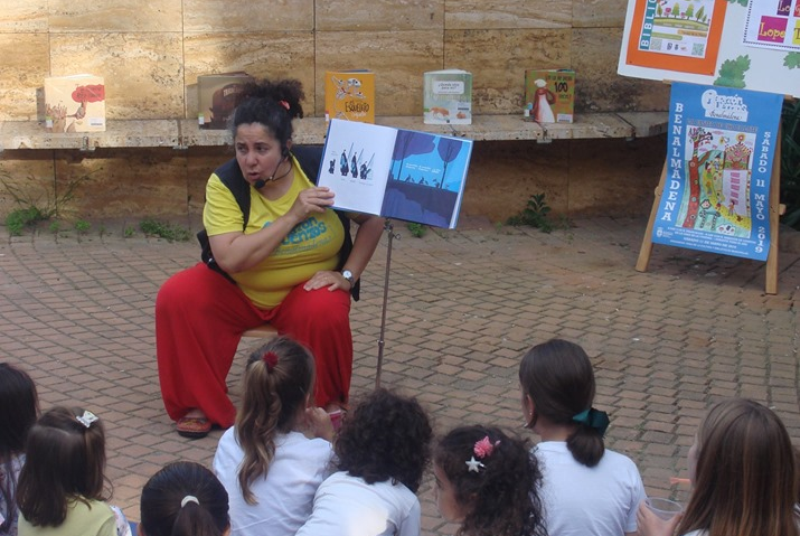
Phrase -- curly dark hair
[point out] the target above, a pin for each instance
(503, 497)
(387, 436)
(271, 104)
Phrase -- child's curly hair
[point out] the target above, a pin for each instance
(387, 436)
(503, 497)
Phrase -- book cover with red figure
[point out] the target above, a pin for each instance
(75, 103)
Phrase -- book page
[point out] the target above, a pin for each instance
(356, 163)
(427, 179)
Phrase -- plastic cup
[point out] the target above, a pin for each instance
(664, 508)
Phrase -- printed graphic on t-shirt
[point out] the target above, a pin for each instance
(307, 235)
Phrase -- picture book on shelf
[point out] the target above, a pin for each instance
(350, 95)
(75, 103)
(395, 173)
(217, 97)
(550, 95)
(447, 97)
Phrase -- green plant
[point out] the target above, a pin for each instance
(37, 206)
(20, 218)
(82, 226)
(55, 226)
(128, 231)
(167, 231)
(416, 229)
(101, 229)
(790, 163)
(534, 215)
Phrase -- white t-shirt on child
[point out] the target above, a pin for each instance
(286, 493)
(588, 501)
(347, 505)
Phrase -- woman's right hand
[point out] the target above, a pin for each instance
(311, 201)
(319, 423)
(649, 524)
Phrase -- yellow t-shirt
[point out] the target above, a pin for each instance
(92, 519)
(311, 246)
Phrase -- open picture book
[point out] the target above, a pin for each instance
(395, 173)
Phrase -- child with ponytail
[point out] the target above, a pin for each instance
(184, 499)
(587, 489)
(61, 488)
(278, 452)
(488, 482)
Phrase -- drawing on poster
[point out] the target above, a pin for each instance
(679, 35)
(718, 164)
(773, 24)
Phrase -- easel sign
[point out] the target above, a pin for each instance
(718, 191)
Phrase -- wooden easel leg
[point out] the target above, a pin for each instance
(774, 218)
(647, 241)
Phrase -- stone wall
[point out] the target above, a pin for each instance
(151, 52)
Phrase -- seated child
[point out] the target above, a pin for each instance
(184, 499)
(587, 489)
(383, 448)
(278, 452)
(488, 482)
(742, 468)
(19, 407)
(61, 485)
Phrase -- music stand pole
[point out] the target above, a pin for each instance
(389, 228)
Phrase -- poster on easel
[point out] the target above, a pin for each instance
(747, 44)
(721, 144)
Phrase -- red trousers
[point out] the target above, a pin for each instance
(200, 317)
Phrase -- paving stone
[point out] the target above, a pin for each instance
(463, 308)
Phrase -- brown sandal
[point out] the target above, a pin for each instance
(193, 427)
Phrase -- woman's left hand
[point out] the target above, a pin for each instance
(327, 279)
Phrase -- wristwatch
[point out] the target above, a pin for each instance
(347, 274)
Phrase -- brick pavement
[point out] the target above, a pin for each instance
(463, 307)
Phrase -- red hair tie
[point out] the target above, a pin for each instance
(271, 359)
(284, 104)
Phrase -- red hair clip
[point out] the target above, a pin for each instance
(271, 359)
(284, 104)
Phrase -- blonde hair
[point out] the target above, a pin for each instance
(745, 481)
(278, 382)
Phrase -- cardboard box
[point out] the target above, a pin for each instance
(75, 103)
(217, 98)
(550, 95)
(350, 95)
(447, 97)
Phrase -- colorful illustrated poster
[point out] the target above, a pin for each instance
(679, 35)
(720, 148)
(773, 24)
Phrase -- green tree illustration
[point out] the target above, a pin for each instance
(740, 2)
(731, 72)
(690, 11)
(659, 11)
(676, 10)
(700, 13)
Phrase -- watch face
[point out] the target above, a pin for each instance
(347, 274)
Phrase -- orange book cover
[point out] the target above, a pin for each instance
(75, 103)
(350, 95)
(550, 95)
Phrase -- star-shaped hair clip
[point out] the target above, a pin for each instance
(474, 465)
